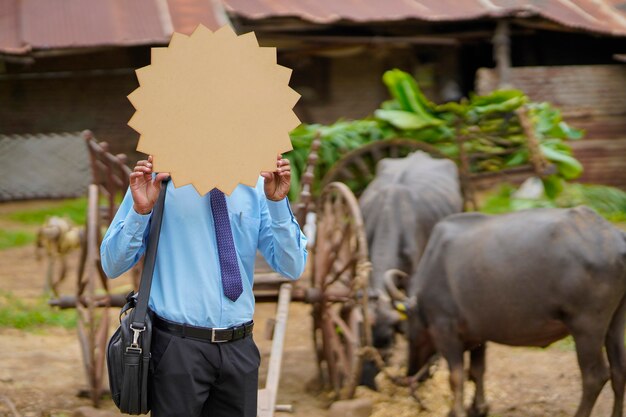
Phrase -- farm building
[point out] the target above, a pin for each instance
(68, 65)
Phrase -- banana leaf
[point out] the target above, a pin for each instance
(485, 107)
(518, 158)
(390, 105)
(549, 123)
(570, 132)
(495, 97)
(406, 120)
(458, 109)
(568, 166)
(553, 185)
(488, 123)
(406, 92)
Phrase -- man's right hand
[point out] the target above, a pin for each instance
(143, 187)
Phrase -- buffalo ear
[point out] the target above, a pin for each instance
(411, 303)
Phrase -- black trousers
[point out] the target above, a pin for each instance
(194, 378)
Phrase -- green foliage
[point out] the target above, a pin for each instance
(561, 155)
(496, 103)
(410, 109)
(336, 140)
(24, 222)
(490, 125)
(609, 202)
(407, 94)
(75, 209)
(19, 314)
(15, 238)
(405, 120)
(553, 185)
(566, 344)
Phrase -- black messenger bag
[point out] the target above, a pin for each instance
(128, 352)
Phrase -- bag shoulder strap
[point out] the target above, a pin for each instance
(139, 316)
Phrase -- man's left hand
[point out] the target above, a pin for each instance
(277, 183)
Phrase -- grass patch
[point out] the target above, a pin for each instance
(23, 224)
(15, 238)
(75, 209)
(30, 315)
(566, 343)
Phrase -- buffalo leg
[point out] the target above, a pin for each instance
(451, 348)
(617, 358)
(477, 376)
(589, 338)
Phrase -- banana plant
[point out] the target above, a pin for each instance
(489, 122)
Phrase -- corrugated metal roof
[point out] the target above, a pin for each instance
(10, 40)
(60, 24)
(187, 14)
(52, 24)
(601, 16)
(27, 25)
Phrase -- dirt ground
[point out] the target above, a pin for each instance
(41, 371)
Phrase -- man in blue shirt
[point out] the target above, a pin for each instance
(198, 368)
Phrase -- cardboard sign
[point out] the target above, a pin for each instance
(214, 109)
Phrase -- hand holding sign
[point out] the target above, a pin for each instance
(214, 109)
(277, 183)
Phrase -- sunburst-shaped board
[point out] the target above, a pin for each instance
(214, 109)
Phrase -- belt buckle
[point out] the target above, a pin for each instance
(213, 335)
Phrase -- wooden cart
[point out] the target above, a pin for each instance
(339, 266)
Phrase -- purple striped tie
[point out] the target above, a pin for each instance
(231, 277)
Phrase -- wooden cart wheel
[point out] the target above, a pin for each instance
(92, 308)
(340, 278)
(358, 167)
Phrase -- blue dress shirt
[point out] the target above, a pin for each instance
(187, 285)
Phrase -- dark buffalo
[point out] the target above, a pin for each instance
(523, 279)
(400, 208)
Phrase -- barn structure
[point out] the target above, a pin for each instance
(67, 65)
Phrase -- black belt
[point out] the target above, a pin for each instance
(215, 335)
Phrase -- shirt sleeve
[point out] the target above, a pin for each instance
(125, 241)
(281, 242)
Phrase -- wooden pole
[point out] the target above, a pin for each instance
(502, 53)
(537, 159)
(267, 396)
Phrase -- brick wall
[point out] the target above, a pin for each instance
(46, 105)
(584, 90)
(591, 97)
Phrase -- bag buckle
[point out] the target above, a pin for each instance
(134, 346)
(213, 340)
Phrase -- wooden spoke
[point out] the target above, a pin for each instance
(340, 273)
